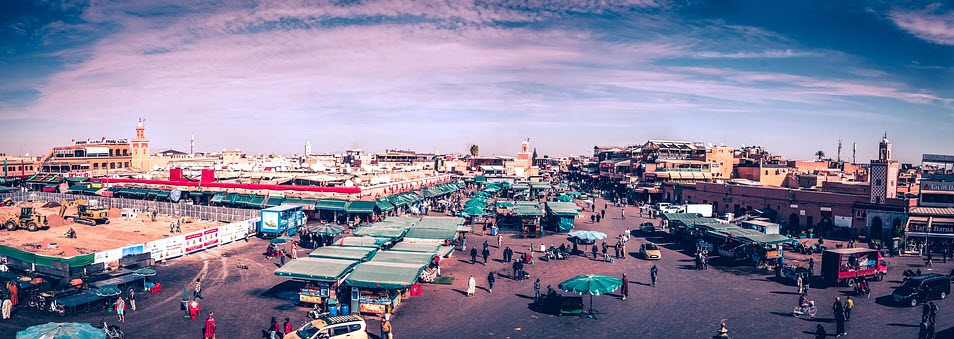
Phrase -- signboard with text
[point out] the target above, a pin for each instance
(937, 186)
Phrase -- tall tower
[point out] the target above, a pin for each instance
(839, 151)
(883, 176)
(307, 147)
(854, 152)
(884, 149)
(192, 145)
(140, 148)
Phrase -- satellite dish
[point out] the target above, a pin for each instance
(175, 195)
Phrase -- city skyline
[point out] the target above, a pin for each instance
(265, 77)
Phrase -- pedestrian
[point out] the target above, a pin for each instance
(132, 298)
(603, 214)
(616, 250)
(811, 267)
(932, 315)
(7, 306)
(121, 309)
(592, 218)
(287, 325)
(197, 292)
(652, 274)
(486, 245)
(798, 281)
(536, 290)
(386, 327)
(294, 251)
(14, 293)
(849, 304)
(210, 327)
(930, 257)
(437, 264)
(595, 250)
(923, 333)
(932, 327)
(624, 290)
(622, 250)
(838, 311)
(622, 213)
(499, 240)
(705, 260)
(463, 243)
(471, 286)
(605, 256)
(473, 255)
(486, 255)
(508, 254)
(273, 329)
(515, 269)
(598, 217)
(490, 282)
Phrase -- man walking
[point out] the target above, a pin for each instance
(209, 332)
(486, 255)
(132, 298)
(386, 327)
(622, 213)
(652, 275)
(490, 282)
(197, 292)
(473, 255)
(849, 304)
(624, 290)
(7, 305)
(595, 251)
(536, 290)
(839, 312)
(471, 286)
(499, 239)
(811, 267)
(121, 309)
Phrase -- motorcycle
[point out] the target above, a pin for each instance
(316, 313)
(44, 303)
(811, 310)
(112, 331)
(863, 291)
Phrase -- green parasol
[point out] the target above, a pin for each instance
(591, 284)
(108, 290)
(62, 331)
(144, 272)
(564, 198)
(474, 210)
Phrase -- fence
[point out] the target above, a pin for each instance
(200, 212)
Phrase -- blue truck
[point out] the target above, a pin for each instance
(281, 220)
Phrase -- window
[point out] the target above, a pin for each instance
(95, 165)
(877, 182)
(340, 330)
(127, 164)
(110, 152)
(103, 165)
(125, 152)
(112, 165)
(354, 327)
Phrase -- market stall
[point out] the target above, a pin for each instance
(321, 275)
(344, 252)
(378, 287)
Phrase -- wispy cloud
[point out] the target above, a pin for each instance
(926, 24)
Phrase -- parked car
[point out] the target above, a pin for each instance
(338, 327)
(922, 288)
(792, 272)
(649, 251)
(647, 228)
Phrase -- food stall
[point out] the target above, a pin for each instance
(322, 277)
(344, 252)
(380, 284)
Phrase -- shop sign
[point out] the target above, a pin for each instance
(937, 186)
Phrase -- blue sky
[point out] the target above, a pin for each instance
(264, 76)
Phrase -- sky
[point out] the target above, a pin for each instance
(264, 76)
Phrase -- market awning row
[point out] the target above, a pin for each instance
(316, 269)
(344, 252)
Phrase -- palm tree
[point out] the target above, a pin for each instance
(474, 150)
(820, 154)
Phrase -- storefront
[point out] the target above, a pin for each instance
(933, 231)
(322, 279)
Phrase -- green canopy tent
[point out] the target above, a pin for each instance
(388, 275)
(593, 285)
(344, 252)
(326, 230)
(316, 269)
(564, 198)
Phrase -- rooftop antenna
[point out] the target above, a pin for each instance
(839, 150)
(854, 152)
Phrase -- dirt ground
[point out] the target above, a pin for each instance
(118, 233)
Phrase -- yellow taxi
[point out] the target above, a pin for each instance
(650, 251)
(338, 327)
